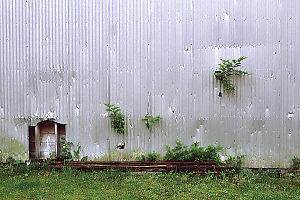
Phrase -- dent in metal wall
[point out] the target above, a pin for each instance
(62, 60)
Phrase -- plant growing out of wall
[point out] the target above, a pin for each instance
(117, 118)
(150, 120)
(228, 69)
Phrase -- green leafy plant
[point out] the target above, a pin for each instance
(228, 69)
(178, 153)
(85, 158)
(212, 154)
(296, 163)
(10, 160)
(236, 162)
(149, 157)
(76, 152)
(66, 150)
(66, 153)
(194, 153)
(150, 120)
(117, 118)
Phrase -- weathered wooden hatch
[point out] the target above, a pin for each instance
(44, 139)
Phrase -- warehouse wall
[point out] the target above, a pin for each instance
(61, 60)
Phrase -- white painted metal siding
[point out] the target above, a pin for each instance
(62, 59)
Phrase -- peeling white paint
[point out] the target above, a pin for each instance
(226, 16)
(50, 115)
(291, 115)
(267, 113)
(1, 112)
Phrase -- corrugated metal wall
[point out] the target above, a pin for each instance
(64, 59)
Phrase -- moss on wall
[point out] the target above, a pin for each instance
(14, 148)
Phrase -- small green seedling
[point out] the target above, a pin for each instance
(77, 152)
(150, 120)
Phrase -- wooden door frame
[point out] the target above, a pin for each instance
(37, 134)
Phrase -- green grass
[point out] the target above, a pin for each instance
(70, 184)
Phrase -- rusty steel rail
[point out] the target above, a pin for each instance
(142, 166)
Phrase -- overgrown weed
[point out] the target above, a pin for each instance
(153, 156)
(194, 153)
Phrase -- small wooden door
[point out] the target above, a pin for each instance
(44, 139)
(47, 139)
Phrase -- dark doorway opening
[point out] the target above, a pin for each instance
(44, 139)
